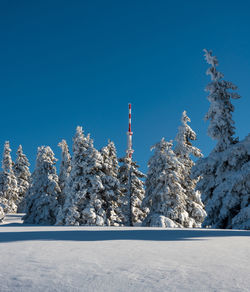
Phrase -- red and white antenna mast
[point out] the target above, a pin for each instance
(129, 134)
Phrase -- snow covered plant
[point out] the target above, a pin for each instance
(84, 204)
(183, 150)
(65, 169)
(225, 183)
(112, 193)
(225, 186)
(42, 205)
(22, 174)
(8, 183)
(2, 214)
(165, 195)
(221, 127)
(132, 188)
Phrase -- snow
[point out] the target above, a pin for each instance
(73, 258)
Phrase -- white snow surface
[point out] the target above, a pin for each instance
(73, 258)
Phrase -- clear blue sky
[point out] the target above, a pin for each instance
(69, 63)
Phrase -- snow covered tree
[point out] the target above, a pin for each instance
(22, 174)
(132, 188)
(110, 159)
(65, 169)
(111, 194)
(84, 203)
(7, 161)
(221, 127)
(225, 172)
(183, 150)
(2, 213)
(42, 204)
(165, 196)
(8, 183)
(184, 147)
(225, 186)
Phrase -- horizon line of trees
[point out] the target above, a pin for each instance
(96, 188)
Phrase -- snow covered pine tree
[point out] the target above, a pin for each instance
(111, 194)
(65, 169)
(8, 183)
(132, 188)
(183, 150)
(221, 127)
(165, 195)
(225, 183)
(42, 204)
(84, 203)
(2, 213)
(22, 174)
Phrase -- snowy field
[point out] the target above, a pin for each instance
(41, 258)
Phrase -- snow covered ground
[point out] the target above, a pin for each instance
(45, 258)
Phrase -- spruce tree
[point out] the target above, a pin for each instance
(165, 196)
(8, 183)
(22, 174)
(225, 172)
(111, 194)
(225, 186)
(221, 127)
(132, 188)
(84, 204)
(2, 213)
(42, 204)
(65, 169)
(183, 150)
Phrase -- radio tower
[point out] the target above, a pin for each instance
(129, 135)
(129, 157)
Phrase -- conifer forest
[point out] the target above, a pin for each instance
(181, 189)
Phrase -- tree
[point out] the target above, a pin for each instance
(184, 147)
(22, 174)
(42, 205)
(221, 127)
(84, 204)
(165, 196)
(2, 213)
(8, 183)
(65, 170)
(132, 188)
(225, 172)
(225, 186)
(183, 150)
(111, 194)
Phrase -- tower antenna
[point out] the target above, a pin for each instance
(129, 135)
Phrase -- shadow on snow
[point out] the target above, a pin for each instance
(97, 234)
(104, 235)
